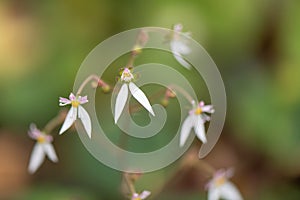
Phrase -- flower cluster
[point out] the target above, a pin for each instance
(218, 187)
(43, 146)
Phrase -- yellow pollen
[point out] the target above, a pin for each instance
(127, 74)
(75, 104)
(198, 111)
(220, 181)
(41, 139)
(137, 198)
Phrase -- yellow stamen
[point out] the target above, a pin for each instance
(126, 74)
(137, 198)
(198, 111)
(220, 181)
(41, 139)
(75, 104)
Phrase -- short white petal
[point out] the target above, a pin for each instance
(50, 152)
(186, 129)
(86, 120)
(213, 193)
(36, 158)
(200, 129)
(121, 101)
(139, 95)
(208, 109)
(230, 192)
(205, 117)
(70, 118)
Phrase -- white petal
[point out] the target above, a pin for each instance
(186, 129)
(121, 101)
(50, 152)
(230, 192)
(200, 129)
(182, 61)
(145, 194)
(86, 120)
(208, 109)
(134, 196)
(36, 158)
(180, 47)
(205, 117)
(139, 95)
(70, 118)
(213, 193)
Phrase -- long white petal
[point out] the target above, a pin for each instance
(50, 152)
(182, 61)
(139, 95)
(121, 101)
(70, 118)
(186, 129)
(86, 120)
(36, 158)
(200, 129)
(180, 47)
(213, 193)
(229, 191)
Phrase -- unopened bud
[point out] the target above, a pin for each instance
(165, 102)
(105, 88)
(170, 93)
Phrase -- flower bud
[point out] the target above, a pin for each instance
(165, 102)
(105, 88)
(170, 93)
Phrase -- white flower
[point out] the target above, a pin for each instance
(141, 196)
(219, 187)
(179, 47)
(42, 148)
(122, 97)
(196, 120)
(76, 110)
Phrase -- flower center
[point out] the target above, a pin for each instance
(137, 198)
(220, 181)
(41, 139)
(126, 75)
(198, 111)
(75, 104)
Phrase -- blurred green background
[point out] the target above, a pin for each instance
(255, 44)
